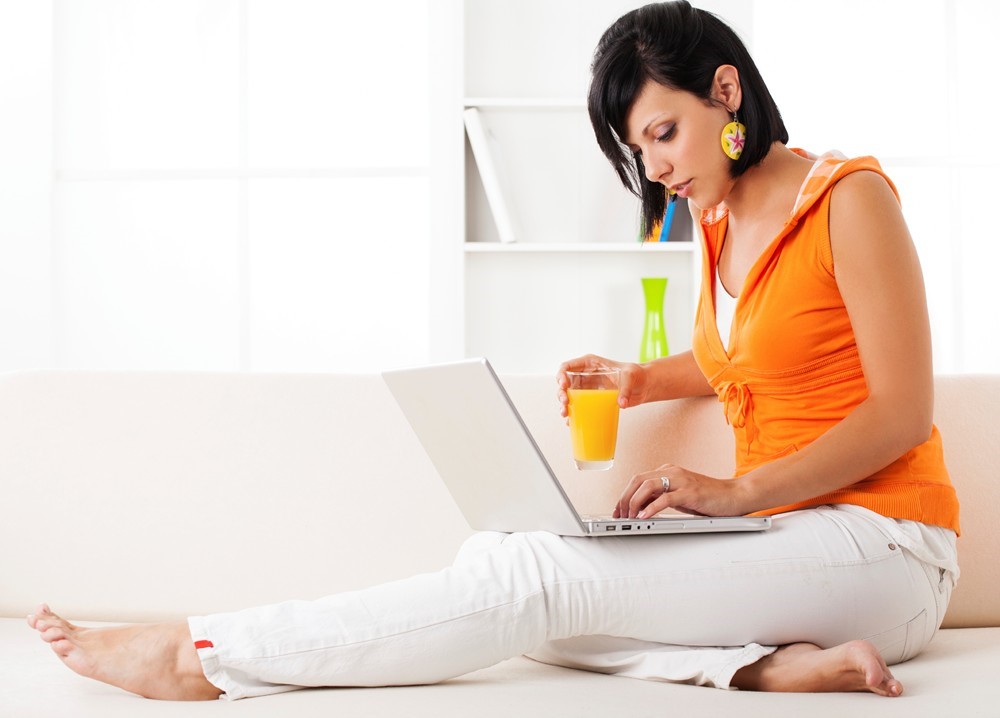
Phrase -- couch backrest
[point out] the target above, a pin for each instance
(967, 411)
(152, 496)
(142, 496)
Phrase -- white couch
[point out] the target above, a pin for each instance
(151, 496)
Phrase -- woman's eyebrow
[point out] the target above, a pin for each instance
(645, 130)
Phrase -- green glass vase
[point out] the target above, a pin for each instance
(654, 333)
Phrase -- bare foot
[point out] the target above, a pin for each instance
(154, 660)
(805, 668)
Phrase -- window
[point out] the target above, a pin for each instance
(902, 81)
(235, 184)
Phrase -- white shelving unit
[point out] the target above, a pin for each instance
(527, 103)
(570, 284)
(594, 247)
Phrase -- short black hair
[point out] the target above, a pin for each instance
(680, 47)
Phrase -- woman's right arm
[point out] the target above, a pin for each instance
(672, 377)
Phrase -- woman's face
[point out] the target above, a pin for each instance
(678, 136)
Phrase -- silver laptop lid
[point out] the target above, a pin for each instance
(465, 421)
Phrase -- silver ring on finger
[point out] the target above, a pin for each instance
(666, 483)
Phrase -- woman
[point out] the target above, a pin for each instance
(828, 388)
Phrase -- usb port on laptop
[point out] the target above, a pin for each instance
(612, 527)
(626, 527)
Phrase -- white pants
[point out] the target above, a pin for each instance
(691, 609)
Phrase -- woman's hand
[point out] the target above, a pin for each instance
(688, 492)
(632, 391)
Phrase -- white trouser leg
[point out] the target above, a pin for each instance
(822, 576)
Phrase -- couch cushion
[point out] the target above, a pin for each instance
(954, 677)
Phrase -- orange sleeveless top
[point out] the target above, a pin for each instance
(792, 369)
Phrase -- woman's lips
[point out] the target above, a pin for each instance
(682, 190)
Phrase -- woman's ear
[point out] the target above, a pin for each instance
(726, 87)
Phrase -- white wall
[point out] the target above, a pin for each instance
(256, 184)
(25, 184)
(905, 80)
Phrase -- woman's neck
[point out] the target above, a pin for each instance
(769, 187)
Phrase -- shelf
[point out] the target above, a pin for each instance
(527, 103)
(570, 284)
(578, 247)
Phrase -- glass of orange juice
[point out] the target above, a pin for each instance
(593, 417)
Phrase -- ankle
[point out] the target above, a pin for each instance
(771, 673)
(188, 668)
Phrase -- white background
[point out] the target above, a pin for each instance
(249, 184)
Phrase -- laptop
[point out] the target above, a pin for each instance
(493, 467)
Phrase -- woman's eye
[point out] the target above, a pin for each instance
(667, 134)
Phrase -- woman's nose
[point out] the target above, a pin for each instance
(656, 167)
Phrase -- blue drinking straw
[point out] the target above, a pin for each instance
(668, 218)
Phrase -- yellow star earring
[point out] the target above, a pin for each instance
(734, 138)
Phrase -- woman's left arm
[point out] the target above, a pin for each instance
(879, 277)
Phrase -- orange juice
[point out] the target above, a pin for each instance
(593, 424)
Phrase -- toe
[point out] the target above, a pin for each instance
(44, 618)
(879, 678)
(61, 647)
(53, 633)
(41, 611)
(893, 687)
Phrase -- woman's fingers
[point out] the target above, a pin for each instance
(626, 386)
(643, 490)
(588, 361)
(655, 506)
(563, 400)
(622, 507)
(649, 491)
